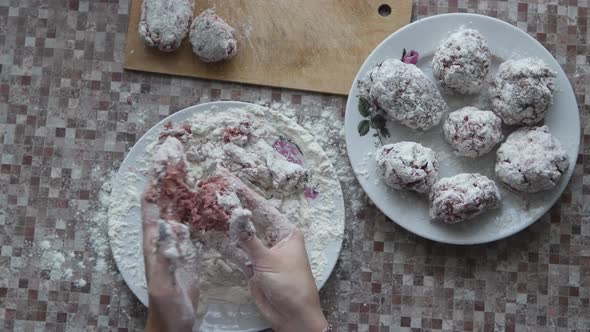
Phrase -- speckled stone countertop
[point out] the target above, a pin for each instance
(69, 112)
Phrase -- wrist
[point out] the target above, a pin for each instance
(153, 322)
(156, 322)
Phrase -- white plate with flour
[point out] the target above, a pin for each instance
(410, 210)
(318, 210)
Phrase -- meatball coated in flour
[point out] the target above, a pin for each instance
(531, 160)
(472, 132)
(407, 165)
(522, 91)
(461, 197)
(212, 38)
(405, 94)
(462, 62)
(164, 23)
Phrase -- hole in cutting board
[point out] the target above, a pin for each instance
(384, 10)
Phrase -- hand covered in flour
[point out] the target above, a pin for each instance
(281, 280)
(282, 284)
(172, 287)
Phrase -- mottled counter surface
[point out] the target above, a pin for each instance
(69, 113)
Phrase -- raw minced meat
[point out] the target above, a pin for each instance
(196, 206)
(472, 132)
(462, 62)
(169, 188)
(407, 165)
(212, 38)
(531, 160)
(205, 212)
(522, 91)
(165, 23)
(461, 197)
(238, 135)
(405, 94)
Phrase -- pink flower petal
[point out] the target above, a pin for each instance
(311, 193)
(411, 57)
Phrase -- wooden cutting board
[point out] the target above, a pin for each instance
(315, 45)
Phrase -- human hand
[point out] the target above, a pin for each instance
(281, 280)
(282, 284)
(172, 287)
(170, 257)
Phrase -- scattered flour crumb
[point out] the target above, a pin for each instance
(53, 260)
(67, 273)
(97, 226)
(100, 264)
(80, 283)
(45, 245)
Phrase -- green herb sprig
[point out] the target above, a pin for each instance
(372, 119)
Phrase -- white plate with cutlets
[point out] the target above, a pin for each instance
(410, 210)
(315, 204)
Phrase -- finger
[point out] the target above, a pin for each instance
(162, 258)
(253, 246)
(188, 250)
(273, 225)
(267, 219)
(188, 282)
(150, 216)
(169, 151)
(294, 241)
(181, 231)
(240, 225)
(150, 212)
(249, 198)
(151, 193)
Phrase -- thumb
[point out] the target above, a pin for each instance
(150, 217)
(242, 231)
(252, 245)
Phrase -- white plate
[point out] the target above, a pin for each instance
(410, 210)
(125, 233)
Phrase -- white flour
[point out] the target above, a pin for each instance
(53, 259)
(45, 245)
(327, 126)
(80, 283)
(282, 181)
